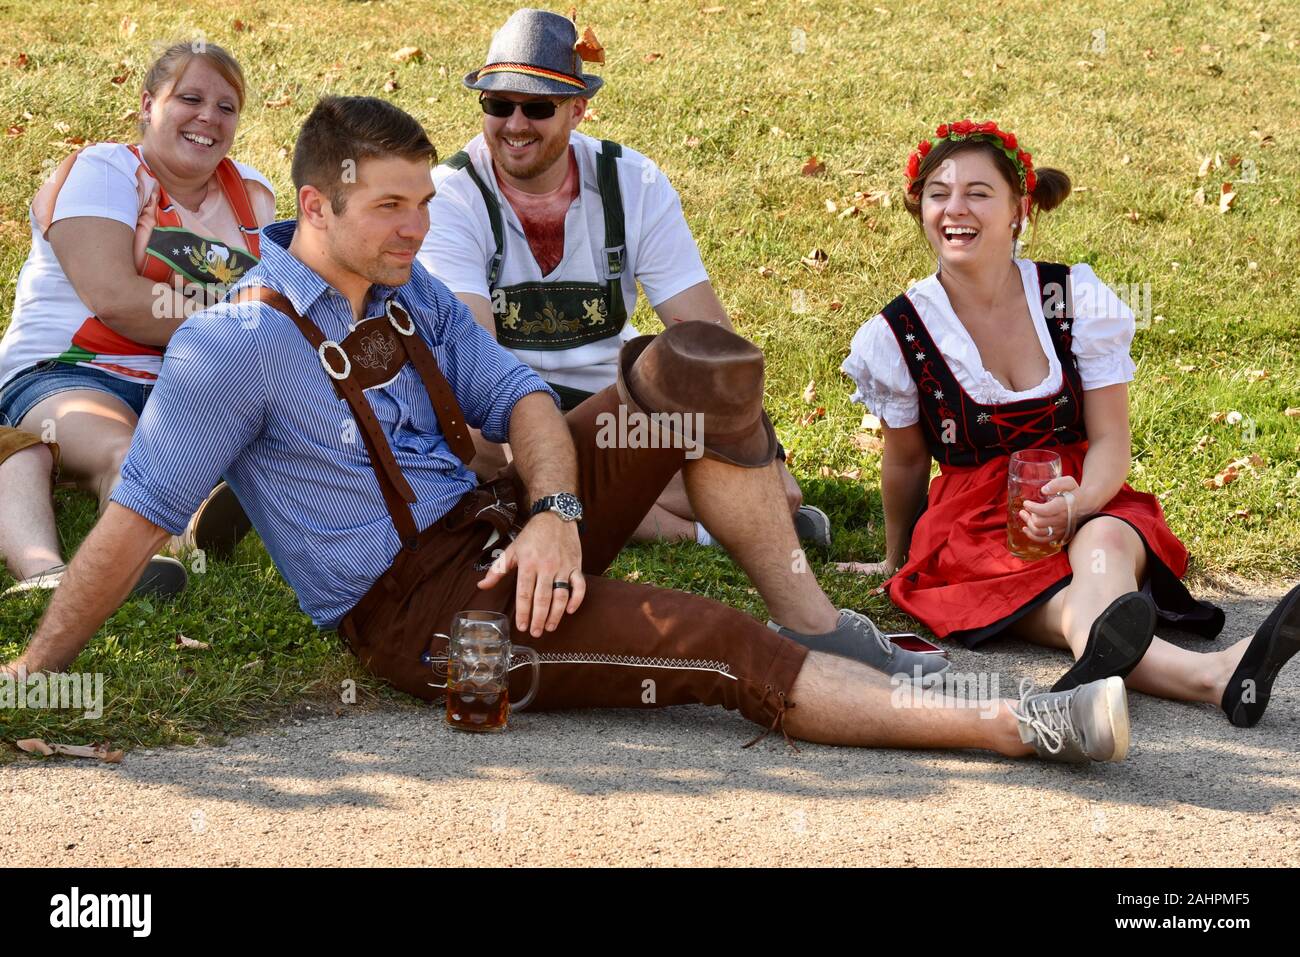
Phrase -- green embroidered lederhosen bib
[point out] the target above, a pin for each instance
(547, 316)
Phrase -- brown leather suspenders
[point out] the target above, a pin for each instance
(373, 354)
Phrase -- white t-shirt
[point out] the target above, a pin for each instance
(661, 253)
(1102, 331)
(108, 181)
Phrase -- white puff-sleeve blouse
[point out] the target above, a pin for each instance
(1102, 333)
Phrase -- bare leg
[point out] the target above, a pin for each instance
(744, 510)
(94, 432)
(29, 540)
(1109, 559)
(838, 701)
(671, 518)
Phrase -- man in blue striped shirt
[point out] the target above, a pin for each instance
(248, 391)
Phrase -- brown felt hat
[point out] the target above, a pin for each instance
(702, 367)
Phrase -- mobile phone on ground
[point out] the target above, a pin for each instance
(910, 641)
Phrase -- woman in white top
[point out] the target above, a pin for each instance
(127, 240)
(993, 355)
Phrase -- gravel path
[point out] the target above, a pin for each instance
(674, 787)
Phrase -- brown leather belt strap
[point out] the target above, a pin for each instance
(397, 492)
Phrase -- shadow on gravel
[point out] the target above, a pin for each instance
(1181, 754)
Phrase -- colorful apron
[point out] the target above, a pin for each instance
(175, 256)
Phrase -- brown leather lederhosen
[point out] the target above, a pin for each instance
(629, 645)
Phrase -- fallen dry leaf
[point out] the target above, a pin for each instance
(15, 131)
(853, 474)
(1226, 477)
(184, 642)
(816, 260)
(589, 48)
(810, 392)
(808, 418)
(1256, 460)
(847, 211)
(692, 142)
(407, 54)
(870, 422)
(813, 167)
(1204, 441)
(99, 752)
(766, 271)
(1241, 514)
(1217, 417)
(391, 85)
(866, 442)
(1292, 413)
(239, 26)
(127, 27)
(1256, 375)
(831, 207)
(1204, 171)
(120, 78)
(1227, 196)
(1187, 368)
(1198, 197)
(279, 102)
(825, 472)
(590, 116)
(835, 305)
(21, 61)
(651, 57)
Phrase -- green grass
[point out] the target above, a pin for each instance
(731, 111)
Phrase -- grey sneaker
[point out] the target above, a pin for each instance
(811, 524)
(858, 638)
(47, 580)
(163, 577)
(1087, 723)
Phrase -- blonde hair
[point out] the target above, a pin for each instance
(175, 60)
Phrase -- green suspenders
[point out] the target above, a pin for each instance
(561, 315)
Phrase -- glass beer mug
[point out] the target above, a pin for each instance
(478, 672)
(1027, 473)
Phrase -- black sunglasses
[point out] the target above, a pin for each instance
(533, 109)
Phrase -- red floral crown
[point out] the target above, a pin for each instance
(966, 130)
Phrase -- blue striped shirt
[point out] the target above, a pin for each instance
(242, 395)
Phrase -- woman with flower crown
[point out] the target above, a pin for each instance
(993, 355)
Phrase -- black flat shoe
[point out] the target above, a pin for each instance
(1117, 641)
(1277, 639)
(220, 523)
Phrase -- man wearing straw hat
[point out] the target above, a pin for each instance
(545, 232)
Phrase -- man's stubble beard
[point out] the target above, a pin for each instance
(372, 269)
(550, 153)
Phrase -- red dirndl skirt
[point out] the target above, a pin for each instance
(962, 582)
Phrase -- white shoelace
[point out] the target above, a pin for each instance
(1050, 717)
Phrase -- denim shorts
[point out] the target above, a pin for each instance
(32, 386)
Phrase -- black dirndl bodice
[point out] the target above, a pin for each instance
(962, 432)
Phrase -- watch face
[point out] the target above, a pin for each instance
(568, 506)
